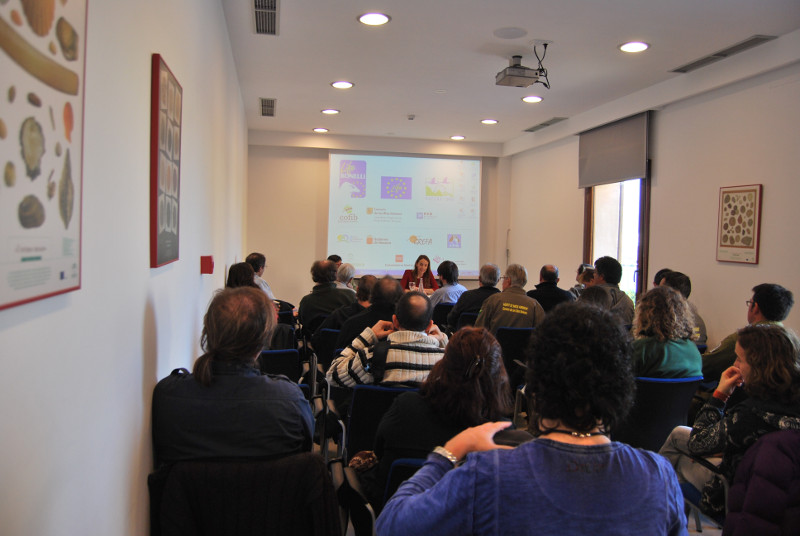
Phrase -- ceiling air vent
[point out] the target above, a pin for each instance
(266, 12)
(544, 124)
(267, 107)
(748, 43)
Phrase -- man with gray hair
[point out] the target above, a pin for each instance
(512, 307)
(344, 276)
(472, 300)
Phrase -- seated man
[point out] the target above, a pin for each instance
(324, 297)
(259, 263)
(225, 407)
(547, 292)
(382, 301)
(472, 300)
(511, 307)
(607, 275)
(451, 289)
(770, 304)
(339, 316)
(414, 346)
(681, 282)
(344, 276)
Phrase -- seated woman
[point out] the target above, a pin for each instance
(768, 365)
(241, 274)
(225, 408)
(572, 479)
(467, 387)
(662, 328)
(420, 276)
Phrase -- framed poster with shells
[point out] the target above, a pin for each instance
(739, 225)
(42, 61)
(165, 164)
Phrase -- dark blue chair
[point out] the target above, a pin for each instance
(286, 362)
(661, 404)
(513, 342)
(466, 319)
(367, 406)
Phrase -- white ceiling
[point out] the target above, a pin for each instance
(437, 59)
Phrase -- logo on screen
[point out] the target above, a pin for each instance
(347, 215)
(439, 187)
(353, 177)
(419, 241)
(398, 258)
(424, 215)
(453, 240)
(395, 187)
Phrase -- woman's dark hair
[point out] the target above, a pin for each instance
(237, 325)
(664, 314)
(597, 296)
(773, 354)
(469, 385)
(428, 275)
(241, 274)
(579, 369)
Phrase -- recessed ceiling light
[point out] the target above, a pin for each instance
(321, 130)
(330, 111)
(634, 46)
(532, 98)
(440, 91)
(374, 19)
(457, 137)
(510, 33)
(342, 84)
(489, 121)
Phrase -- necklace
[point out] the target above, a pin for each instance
(573, 434)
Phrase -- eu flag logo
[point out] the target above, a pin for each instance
(395, 187)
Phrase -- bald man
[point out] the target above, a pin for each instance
(547, 292)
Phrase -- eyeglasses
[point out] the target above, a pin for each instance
(749, 303)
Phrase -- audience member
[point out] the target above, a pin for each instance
(662, 329)
(770, 303)
(324, 297)
(547, 292)
(683, 284)
(335, 259)
(344, 276)
(240, 274)
(451, 289)
(472, 300)
(596, 296)
(339, 316)
(511, 307)
(581, 281)
(259, 263)
(382, 301)
(225, 407)
(659, 276)
(467, 387)
(414, 346)
(768, 366)
(573, 479)
(420, 278)
(608, 274)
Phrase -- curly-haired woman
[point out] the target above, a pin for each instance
(768, 366)
(572, 479)
(662, 328)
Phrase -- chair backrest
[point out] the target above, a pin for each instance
(401, 470)
(513, 342)
(765, 493)
(286, 313)
(466, 319)
(290, 495)
(325, 346)
(286, 362)
(440, 312)
(367, 406)
(661, 404)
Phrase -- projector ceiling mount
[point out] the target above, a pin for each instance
(517, 75)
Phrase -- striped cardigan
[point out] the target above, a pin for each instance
(411, 361)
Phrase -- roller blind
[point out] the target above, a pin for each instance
(614, 152)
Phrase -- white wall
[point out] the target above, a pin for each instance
(79, 369)
(746, 133)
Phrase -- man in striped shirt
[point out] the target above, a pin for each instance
(414, 345)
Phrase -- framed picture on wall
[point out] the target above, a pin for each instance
(739, 224)
(42, 61)
(165, 164)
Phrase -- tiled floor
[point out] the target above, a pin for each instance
(708, 528)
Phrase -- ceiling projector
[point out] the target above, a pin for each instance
(517, 75)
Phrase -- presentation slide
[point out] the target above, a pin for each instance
(385, 211)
